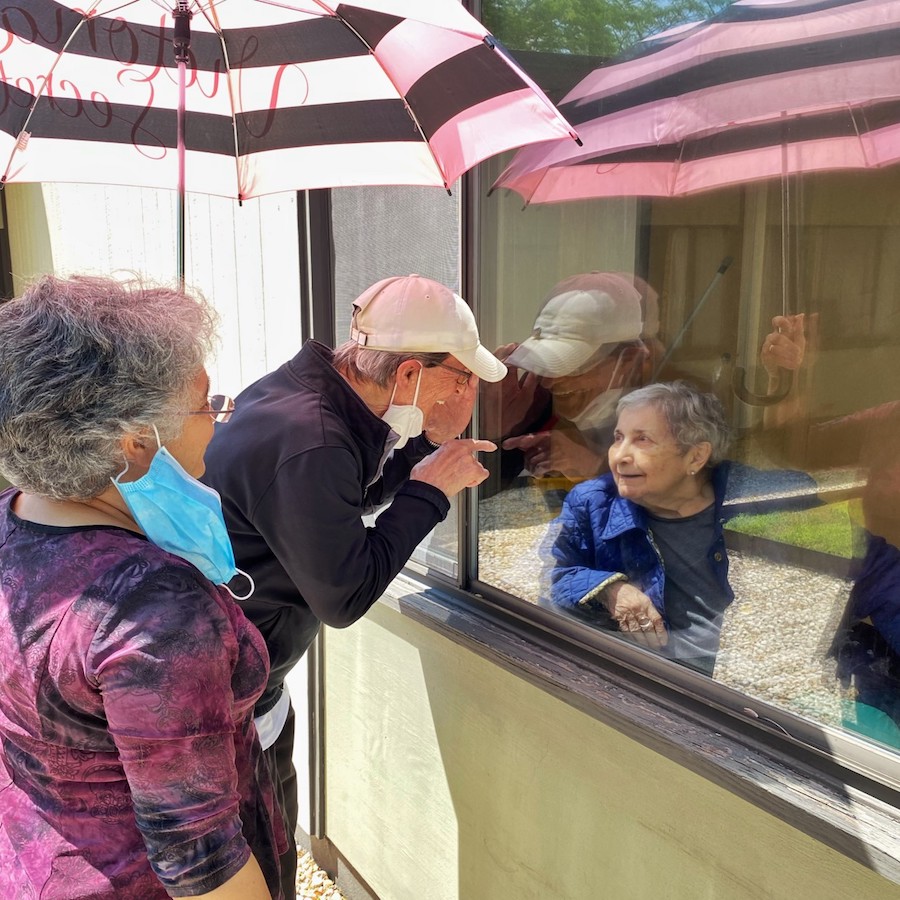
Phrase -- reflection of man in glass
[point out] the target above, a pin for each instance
(584, 353)
(594, 340)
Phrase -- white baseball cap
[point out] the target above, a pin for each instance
(412, 314)
(583, 316)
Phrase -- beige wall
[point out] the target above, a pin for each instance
(448, 778)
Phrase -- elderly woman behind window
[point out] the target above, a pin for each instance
(129, 763)
(641, 550)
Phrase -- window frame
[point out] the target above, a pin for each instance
(836, 753)
(848, 810)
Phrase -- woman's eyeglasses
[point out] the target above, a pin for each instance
(462, 376)
(219, 408)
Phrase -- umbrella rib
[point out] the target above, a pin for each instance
(862, 146)
(114, 9)
(22, 137)
(211, 15)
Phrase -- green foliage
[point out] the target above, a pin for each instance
(590, 27)
(823, 528)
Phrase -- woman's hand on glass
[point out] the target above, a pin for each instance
(636, 615)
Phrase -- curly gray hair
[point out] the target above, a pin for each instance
(84, 361)
(693, 417)
(378, 366)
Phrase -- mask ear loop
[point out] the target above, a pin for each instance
(249, 594)
(128, 464)
(415, 396)
(123, 472)
(418, 384)
(635, 365)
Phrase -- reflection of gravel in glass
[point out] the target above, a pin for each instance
(512, 527)
(775, 636)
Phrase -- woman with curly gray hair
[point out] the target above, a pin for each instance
(129, 763)
(642, 550)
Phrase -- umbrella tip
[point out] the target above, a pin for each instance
(577, 139)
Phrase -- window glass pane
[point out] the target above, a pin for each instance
(777, 570)
(383, 231)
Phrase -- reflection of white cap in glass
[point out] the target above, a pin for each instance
(412, 314)
(583, 320)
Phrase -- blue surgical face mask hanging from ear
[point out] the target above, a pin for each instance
(182, 516)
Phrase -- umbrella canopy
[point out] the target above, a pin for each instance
(766, 88)
(279, 94)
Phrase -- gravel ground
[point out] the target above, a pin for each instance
(313, 883)
(775, 635)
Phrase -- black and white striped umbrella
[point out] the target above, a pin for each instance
(278, 94)
(765, 89)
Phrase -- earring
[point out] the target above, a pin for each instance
(692, 472)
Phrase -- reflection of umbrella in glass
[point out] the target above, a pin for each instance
(248, 97)
(761, 90)
(764, 90)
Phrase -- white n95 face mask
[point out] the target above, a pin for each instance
(407, 421)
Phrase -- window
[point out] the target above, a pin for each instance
(779, 298)
(380, 232)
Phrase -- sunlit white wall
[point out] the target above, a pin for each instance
(244, 259)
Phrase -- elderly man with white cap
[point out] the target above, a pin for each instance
(594, 340)
(327, 438)
(586, 350)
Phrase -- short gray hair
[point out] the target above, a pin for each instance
(693, 417)
(378, 366)
(85, 361)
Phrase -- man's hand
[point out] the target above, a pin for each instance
(448, 419)
(517, 392)
(453, 466)
(785, 346)
(549, 452)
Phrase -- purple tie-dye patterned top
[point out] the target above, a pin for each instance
(130, 766)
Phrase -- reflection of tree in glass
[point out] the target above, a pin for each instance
(591, 27)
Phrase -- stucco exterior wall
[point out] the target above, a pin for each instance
(450, 778)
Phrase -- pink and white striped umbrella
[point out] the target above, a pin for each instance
(765, 89)
(279, 94)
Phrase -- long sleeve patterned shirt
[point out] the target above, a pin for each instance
(129, 765)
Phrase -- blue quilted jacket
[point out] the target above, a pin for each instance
(602, 538)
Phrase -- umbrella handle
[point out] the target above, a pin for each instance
(182, 45)
(742, 392)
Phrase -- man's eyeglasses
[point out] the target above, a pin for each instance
(462, 375)
(218, 406)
